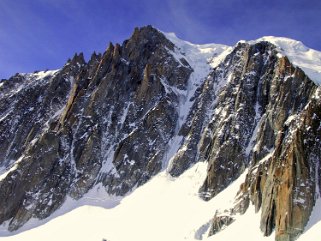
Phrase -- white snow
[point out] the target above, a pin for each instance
(5, 114)
(165, 208)
(30, 80)
(44, 74)
(290, 119)
(246, 227)
(124, 114)
(312, 230)
(249, 147)
(202, 58)
(168, 208)
(309, 60)
(174, 89)
(4, 172)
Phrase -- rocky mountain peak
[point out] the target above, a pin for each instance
(151, 35)
(77, 59)
(157, 103)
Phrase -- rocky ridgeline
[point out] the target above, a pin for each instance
(114, 120)
(279, 121)
(106, 121)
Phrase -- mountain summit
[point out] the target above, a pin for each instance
(159, 106)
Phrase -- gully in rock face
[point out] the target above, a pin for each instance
(158, 103)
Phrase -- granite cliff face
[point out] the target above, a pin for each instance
(270, 129)
(106, 121)
(156, 103)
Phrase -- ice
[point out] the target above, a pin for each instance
(249, 147)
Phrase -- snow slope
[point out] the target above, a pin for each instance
(163, 209)
(309, 60)
(202, 58)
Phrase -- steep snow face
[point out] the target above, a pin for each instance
(309, 60)
(202, 58)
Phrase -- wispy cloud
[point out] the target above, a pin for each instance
(41, 33)
(184, 20)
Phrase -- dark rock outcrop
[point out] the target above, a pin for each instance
(285, 184)
(279, 142)
(112, 121)
(220, 222)
(108, 120)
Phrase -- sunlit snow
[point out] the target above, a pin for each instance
(165, 208)
(202, 58)
(309, 60)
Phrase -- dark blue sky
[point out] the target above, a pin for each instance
(43, 34)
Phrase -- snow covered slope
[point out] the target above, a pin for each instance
(163, 209)
(202, 58)
(309, 60)
(199, 56)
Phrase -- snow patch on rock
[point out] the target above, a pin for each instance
(309, 60)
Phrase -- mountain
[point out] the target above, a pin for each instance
(246, 120)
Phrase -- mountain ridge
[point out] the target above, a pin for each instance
(313, 61)
(173, 108)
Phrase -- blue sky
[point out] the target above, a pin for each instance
(43, 34)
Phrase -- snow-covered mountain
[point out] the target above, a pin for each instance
(162, 139)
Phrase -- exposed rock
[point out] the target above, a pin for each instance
(110, 122)
(240, 102)
(114, 121)
(220, 222)
(284, 174)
